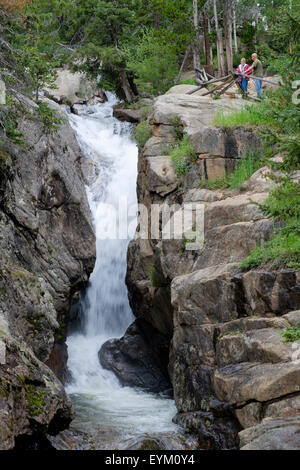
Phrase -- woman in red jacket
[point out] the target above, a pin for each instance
(242, 68)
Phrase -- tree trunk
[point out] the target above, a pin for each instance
(221, 60)
(156, 20)
(211, 48)
(221, 52)
(234, 26)
(291, 45)
(227, 19)
(187, 53)
(127, 88)
(196, 45)
(208, 48)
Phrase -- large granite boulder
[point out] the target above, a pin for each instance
(214, 433)
(135, 361)
(127, 114)
(74, 88)
(275, 434)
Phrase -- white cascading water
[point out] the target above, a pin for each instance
(115, 415)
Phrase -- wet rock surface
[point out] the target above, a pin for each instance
(134, 361)
(213, 432)
(73, 439)
(129, 115)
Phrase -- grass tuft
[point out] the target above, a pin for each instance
(183, 156)
(248, 116)
(188, 81)
(283, 249)
(249, 164)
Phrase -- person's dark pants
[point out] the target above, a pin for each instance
(258, 86)
(244, 84)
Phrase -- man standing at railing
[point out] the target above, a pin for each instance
(258, 72)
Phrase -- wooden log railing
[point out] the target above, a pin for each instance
(209, 82)
(230, 80)
(244, 75)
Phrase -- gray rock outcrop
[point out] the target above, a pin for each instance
(74, 88)
(231, 371)
(47, 252)
(134, 362)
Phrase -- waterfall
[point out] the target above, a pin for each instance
(112, 413)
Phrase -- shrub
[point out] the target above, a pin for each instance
(291, 334)
(182, 156)
(142, 134)
(50, 118)
(9, 116)
(145, 111)
(154, 64)
(178, 127)
(283, 202)
(283, 249)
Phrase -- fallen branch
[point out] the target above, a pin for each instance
(66, 47)
(187, 53)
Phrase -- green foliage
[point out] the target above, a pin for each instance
(153, 63)
(9, 114)
(50, 118)
(283, 202)
(248, 116)
(142, 134)
(283, 249)
(188, 81)
(41, 68)
(35, 400)
(145, 111)
(178, 127)
(247, 35)
(291, 334)
(183, 156)
(152, 276)
(248, 166)
(186, 241)
(214, 184)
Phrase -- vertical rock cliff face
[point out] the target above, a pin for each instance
(222, 347)
(47, 251)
